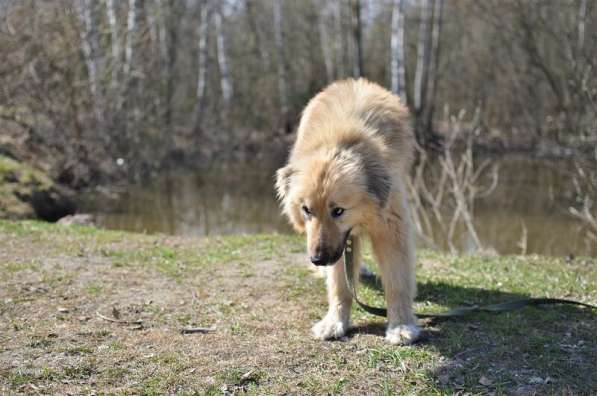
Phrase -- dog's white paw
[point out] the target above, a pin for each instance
(329, 328)
(404, 334)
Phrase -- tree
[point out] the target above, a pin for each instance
(225, 79)
(170, 16)
(324, 39)
(434, 71)
(132, 36)
(397, 65)
(91, 52)
(282, 67)
(427, 69)
(202, 32)
(114, 41)
(260, 46)
(357, 31)
(422, 67)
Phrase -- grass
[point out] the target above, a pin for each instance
(19, 180)
(261, 297)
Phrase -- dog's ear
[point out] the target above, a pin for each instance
(283, 176)
(379, 182)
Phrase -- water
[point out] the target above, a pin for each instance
(532, 195)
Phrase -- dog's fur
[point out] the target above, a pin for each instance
(353, 150)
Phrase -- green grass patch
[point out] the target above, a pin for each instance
(94, 288)
(13, 268)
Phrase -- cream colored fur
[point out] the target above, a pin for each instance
(353, 151)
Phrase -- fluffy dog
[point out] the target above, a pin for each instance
(346, 175)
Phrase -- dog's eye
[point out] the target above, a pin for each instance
(306, 210)
(337, 212)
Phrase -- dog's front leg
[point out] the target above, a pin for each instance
(337, 320)
(396, 257)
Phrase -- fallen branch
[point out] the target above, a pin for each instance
(193, 330)
(137, 322)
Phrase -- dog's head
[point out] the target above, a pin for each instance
(331, 192)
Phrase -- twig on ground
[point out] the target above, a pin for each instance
(193, 330)
(137, 322)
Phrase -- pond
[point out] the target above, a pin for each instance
(527, 211)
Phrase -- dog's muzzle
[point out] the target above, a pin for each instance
(324, 259)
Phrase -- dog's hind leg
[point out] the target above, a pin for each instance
(395, 253)
(337, 320)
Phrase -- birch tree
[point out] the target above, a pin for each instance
(91, 51)
(324, 39)
(130, 137)
(202, 29)
(114, 40)
(169, 45)
(282, 68)
(433, 74)
(397, 68)
(357, 68)
(202, 36)
(340, 39)
(132, 36)
(582, 20)
(420, 83)
(260, 46)
(225, 80)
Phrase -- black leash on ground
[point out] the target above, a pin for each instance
(455, 312)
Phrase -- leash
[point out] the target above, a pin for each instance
(452, 313)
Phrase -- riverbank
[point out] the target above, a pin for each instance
(86, 310)
(28, 193)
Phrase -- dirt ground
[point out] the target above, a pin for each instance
(86, 311)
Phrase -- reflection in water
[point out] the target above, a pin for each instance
(196, 203)
(531, 199)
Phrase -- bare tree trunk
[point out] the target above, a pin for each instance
(282, 68)
(324, 40)
(225, 82)
(260, 49)
(156, 26)
(422, 56)
(582, 18)
(397, 50)
(114, 40)
(91, 52)
(433, 74)
(159, 32)
(169, 55)
(129, 102)
(340, 39)
(132, 33)
(538, 60)
(154, 22)
(202, 32)
(422, 68)
(357, 70)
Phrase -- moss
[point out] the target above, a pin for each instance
(26, 192)
(24, 175)
(11, 206)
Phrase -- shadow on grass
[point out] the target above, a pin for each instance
(437, 293)
(534, 350)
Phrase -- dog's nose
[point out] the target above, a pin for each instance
(320, 259)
